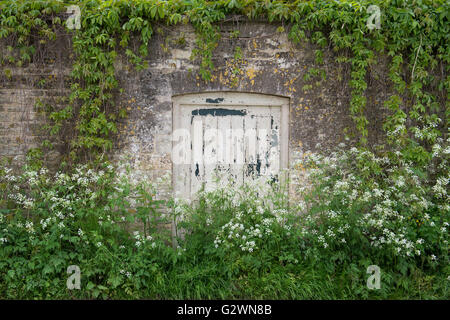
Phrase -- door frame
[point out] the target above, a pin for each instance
(232, 98)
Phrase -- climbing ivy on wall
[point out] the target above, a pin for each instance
(414, 34)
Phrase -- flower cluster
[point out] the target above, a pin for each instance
(254, 217)
(398, 211)
(76, 206)
(140, 239)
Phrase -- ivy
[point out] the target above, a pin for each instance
(414, 34)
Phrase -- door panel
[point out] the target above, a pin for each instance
(238, 139)
(231, 145)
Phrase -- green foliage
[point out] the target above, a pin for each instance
(413, 33)
(366, 210)
(237, 243)
(233, 242)
(50, 221)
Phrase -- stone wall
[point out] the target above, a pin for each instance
(22, 119)
(270, 64)
(26, 93)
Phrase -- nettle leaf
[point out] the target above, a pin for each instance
(90, 286)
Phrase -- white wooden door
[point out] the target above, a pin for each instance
(224, 136)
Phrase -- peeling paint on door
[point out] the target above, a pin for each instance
(236, 136)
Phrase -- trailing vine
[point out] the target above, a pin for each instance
(414, 34)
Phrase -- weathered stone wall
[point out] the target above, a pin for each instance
(22, 102)
(26, 93)
(270, 64)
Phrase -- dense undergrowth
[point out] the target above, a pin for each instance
(238, 242)
(362, 206)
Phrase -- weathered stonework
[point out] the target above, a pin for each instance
(269, 63)
(21, 119)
